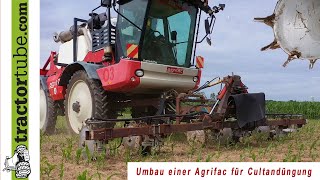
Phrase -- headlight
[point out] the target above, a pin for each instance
(195, 79)
(139, 73)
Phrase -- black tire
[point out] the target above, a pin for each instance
(50, 117)
(99, 101)
(23, 169)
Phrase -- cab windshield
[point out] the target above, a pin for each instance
(164, 33)
(169, 34)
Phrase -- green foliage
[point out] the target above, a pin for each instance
(88, 154)
(209, 157)
(83, 175)
(61, 171)
(310, 110)
(78, 155)
(47, 167)
(109, 177)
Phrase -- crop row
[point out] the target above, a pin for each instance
(309, 109)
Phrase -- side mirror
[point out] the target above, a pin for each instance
(222, 6)
(207, 26)
(105, 3)
(208, 41)
(173, 35)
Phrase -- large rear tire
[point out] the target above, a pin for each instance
(48, 112)
(85, 98)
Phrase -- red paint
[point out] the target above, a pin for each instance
(224, 90)
(200, 62)
(43, 72)
(94, 56)
(242, 85)
(53, 68)
(53, 73)
(174, 70)
(97, 57)
(56, 92)
(132, 53)
(117, 77)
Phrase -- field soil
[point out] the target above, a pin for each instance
(61, 157)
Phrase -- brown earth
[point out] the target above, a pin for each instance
(61, 149)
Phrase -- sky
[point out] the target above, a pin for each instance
(236, 44)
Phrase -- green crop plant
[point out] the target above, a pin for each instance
(310, 109)
(78, 155)
(47, 168)
(192, 148)
(241, 157)
(61, 170)
(209, 157)
(83, 175)
(199, 157)
(101, 157)
(253, 156)
(87, 154)
(109, 177)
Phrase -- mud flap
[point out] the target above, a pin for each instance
(249, 108)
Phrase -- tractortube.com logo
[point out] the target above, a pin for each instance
(19, 162)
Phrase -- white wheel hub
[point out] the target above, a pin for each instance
(43, 108)
(79, 105)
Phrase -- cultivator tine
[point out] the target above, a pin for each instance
(198, 137)
(269, 20)
(273, 45)
(132, 143)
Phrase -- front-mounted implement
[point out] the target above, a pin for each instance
(235, 113)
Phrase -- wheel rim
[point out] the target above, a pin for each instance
(79, 105)
(43, 108)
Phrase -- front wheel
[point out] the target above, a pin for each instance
(85, 98)
(48, 112)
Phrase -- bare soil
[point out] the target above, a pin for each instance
(61, 149)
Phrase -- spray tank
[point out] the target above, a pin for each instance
(97, 21)
(84, 38)
(296, 26)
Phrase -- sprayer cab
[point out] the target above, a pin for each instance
(158, 31)
(163, 30)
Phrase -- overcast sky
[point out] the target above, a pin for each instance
(236, 44)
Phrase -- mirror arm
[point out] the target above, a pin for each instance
(206, 34)
(203, 38)
(213, 22)
(211, 25)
